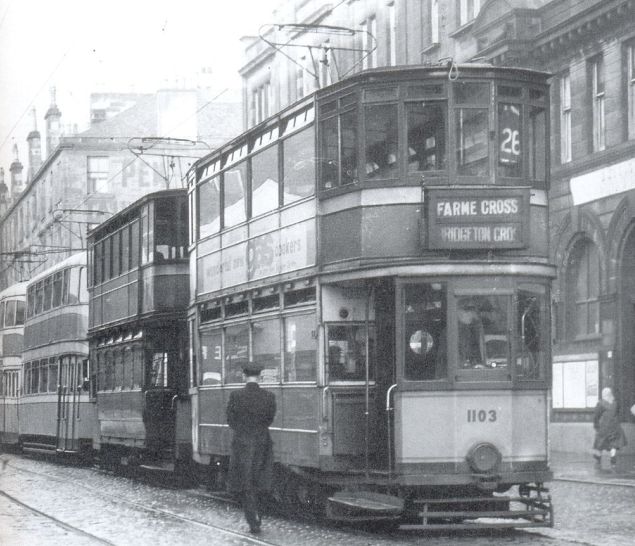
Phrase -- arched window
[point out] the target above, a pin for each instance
(583, 290)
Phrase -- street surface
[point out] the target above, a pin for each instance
(46, 503)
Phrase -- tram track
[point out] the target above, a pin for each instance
(248, 538)
(56, 521)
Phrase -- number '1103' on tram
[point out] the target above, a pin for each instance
(380, 250)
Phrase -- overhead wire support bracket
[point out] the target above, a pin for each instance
(328, 30)
(170, 149)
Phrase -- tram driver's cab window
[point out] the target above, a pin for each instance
(346, 346)
(425, 321)
(482, 332)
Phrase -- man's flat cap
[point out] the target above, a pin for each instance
(252, 370)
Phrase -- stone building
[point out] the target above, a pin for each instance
(589, 47)
(136, 144)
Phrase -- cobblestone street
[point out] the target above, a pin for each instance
(87, 506)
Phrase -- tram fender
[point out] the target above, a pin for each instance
(363, 505)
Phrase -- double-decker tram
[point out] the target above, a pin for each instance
(12, 315)
(55, 411)
(139, 286)
(380, 250)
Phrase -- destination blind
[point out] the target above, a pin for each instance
(477, 218)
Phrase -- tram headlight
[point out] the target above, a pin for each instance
(483, 457)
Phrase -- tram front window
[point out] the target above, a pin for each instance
(482, 340)
(530, 332)
(425, 332)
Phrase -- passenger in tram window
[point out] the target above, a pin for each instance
(250, 412)
(470, 335)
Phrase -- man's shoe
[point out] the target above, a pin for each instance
(255, 530)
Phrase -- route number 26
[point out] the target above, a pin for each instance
(481, 416)
(511, 141)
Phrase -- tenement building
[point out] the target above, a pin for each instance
(136, 144)
(589, 48)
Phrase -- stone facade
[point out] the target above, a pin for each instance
(589, 47)
(145, 145)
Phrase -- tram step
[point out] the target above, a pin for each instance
(507, 514)
(33, 447)
(473, 525)
(158, 466)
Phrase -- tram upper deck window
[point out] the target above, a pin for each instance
(537, 153)
(338, 145)
(381, 146)
(264, 181)
(510, 145)
(234, 197)
(298, 166)
(347, 352)
(426, 129)
(170, 232)
(425, 331)
(472, 128)
(482, 332)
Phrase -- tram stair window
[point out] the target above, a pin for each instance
(159, 370)
(347, 352)
(300, 348)
(234, 195)
(298, 166)
(482, 332)
(425, 330)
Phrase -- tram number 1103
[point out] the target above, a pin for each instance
(481, 416)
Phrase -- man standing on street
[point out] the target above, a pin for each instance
(250, 412)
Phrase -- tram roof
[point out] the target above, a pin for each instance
(78, 258)
(124, 213)
(16, 289)
(378, 75)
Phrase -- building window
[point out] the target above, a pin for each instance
(97, 168)
(260, 103)
(630, 88)
(391, 36)
(434, 21)
(583, 289)
(565, 118)
(598, 122)
(368, 30)
(468, 10)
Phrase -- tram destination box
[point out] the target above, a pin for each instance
(477, 217)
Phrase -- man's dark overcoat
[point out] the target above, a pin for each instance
(250, 411)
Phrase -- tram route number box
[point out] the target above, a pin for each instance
(477, 217)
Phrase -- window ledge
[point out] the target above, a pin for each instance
(430, 48)
(588, 337)
(462, 30)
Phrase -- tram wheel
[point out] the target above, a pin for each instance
(303, 498)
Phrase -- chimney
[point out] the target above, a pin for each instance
(53, 128)
(16, 174)
(35, 148)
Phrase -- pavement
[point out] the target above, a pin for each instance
(580, 467)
